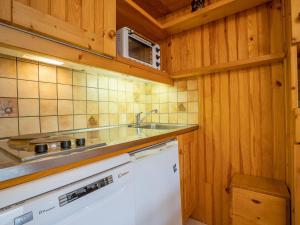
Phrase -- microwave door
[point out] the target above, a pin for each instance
(139, 49)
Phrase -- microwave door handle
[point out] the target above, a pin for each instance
(137, 38)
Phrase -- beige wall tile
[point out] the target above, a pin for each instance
(92, 107)
(113, 96)
(65, 107)
(113, 119)
(29, 125)
(192, 118)
(79, 93)
(103, 95)
(92, 94)
(79, 107)
(103, 120)
(163, 98)
(122, 107)
(164, 118)
(173, 97)
(113, 107)
(65, 123)
(8, 87)
(64, 76)
(164, 108)
(182, 118)
(192, 96)
(29, 107)
(64, 91)
(92, 80)
(103, 107)
(79, 78)
(122, 118)
(192, 107)
(173, 118)
(9, 127)
(121, 85)
(80, 121)
(47, 73)
(48, 90)
(48, 107)
(49, 124)
(92, 121)
(8, 68)
(113, 84)
(173, 107)
(182, 96)
(28, 89)
(27, 71)
(129, 108)
(121, 96)
(155, 118)
(103, 82)
(192, 84)
(130, 118)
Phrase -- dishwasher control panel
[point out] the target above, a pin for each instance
(80, 192)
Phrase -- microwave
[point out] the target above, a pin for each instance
(135, 47)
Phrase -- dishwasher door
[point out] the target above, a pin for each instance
(157, 185)
(105, 198)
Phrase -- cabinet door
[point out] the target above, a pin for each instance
(296, 21)
(5, 10)
(188, 152)
(86, 23)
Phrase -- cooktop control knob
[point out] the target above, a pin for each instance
(80, 142)
(41, 148)
(65, 144)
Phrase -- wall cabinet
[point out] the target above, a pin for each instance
(90, 24)
(259, 201)
(295, 8)
(296, 210)
(188, 154)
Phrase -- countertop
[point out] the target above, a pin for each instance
(118, 140)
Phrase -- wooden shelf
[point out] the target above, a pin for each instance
(236, 65)
(179, 21)
(131, 15)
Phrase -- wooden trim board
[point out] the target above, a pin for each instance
(230, 66)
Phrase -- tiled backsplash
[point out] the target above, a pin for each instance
(38, 98)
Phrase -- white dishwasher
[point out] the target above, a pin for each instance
(99, 193)
(157, 185)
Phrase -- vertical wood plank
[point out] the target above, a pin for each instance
(58, 9)
(41, 5)
(88, 17)
(5, 10)
(74, 13)
(109, 26)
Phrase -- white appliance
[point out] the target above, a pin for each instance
(99, 193)
(157, 185)
(135, 47)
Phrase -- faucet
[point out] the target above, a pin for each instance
(139, 119)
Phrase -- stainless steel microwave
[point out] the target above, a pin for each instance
(135, 47)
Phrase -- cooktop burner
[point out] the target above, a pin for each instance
(30, 147)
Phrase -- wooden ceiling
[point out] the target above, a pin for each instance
(159, 8)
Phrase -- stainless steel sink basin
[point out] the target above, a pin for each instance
(158, 126)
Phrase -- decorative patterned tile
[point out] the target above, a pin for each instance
(8, 107)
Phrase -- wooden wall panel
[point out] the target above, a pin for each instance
(242, 115)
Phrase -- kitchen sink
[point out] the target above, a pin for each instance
(158, 126)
